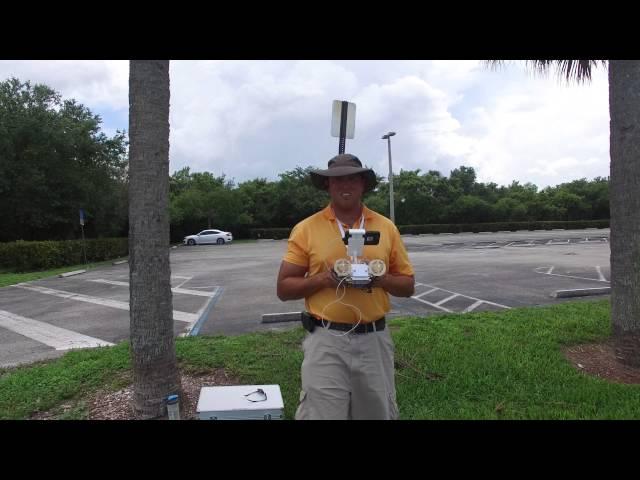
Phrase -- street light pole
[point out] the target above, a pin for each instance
(387, 137)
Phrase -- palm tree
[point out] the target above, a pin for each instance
(624, 184)
(155, 372)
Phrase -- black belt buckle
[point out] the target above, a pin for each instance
(308, 321)
(376, 326)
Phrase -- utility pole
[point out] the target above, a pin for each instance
(392, 213)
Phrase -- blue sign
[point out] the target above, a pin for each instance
(82, 216)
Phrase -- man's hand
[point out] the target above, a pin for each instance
(293, 284)
(396, 285)
(327, 279)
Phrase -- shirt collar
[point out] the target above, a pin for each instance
(329, 215)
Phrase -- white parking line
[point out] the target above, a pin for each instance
(600, 275)
(473, 307)
(601, 279)
(186, 291)
(445, 300)
(56, 337)
(424, 293)
(593, 240)
(454, 295)
(185, 281)
(177, 315)
(553, 242)
(485, 245)
(530, 244)
(433, 305)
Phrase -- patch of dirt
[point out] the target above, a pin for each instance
(110, 405)
(118, 405)
(599, 359)
(56, 413)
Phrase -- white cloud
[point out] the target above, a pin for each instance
(531, 131)
(103, 83)
(260, 118)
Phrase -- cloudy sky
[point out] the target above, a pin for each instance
(250, 119)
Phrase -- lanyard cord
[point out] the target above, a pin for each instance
(342, 229)
(339, 300)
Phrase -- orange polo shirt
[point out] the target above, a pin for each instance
(316, 243)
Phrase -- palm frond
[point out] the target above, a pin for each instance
(493, 64)
(570, 70)
(578, 70)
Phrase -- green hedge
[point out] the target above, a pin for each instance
(274, 233)
(279, 233)
(24, 256)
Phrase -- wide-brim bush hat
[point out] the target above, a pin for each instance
(341, 165)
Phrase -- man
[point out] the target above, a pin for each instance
(348, 370)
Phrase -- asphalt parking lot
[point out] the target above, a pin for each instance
(227, 289)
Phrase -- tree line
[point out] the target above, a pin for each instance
(202, 200)
(54, 160)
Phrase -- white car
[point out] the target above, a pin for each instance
(208, 236)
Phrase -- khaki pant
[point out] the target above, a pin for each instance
(347, 377)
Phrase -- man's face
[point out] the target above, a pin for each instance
(346, 192)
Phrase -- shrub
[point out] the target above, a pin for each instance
(274, 233)
(21, 256)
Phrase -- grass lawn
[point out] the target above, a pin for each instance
(492, 365)
(11, 278)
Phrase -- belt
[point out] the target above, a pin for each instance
(345, 327)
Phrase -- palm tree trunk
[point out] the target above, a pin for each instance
(624, 107)
(155, 373)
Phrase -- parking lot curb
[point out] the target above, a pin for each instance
(281, 317)
(69, 274)
(581, 292)
(195, 328)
